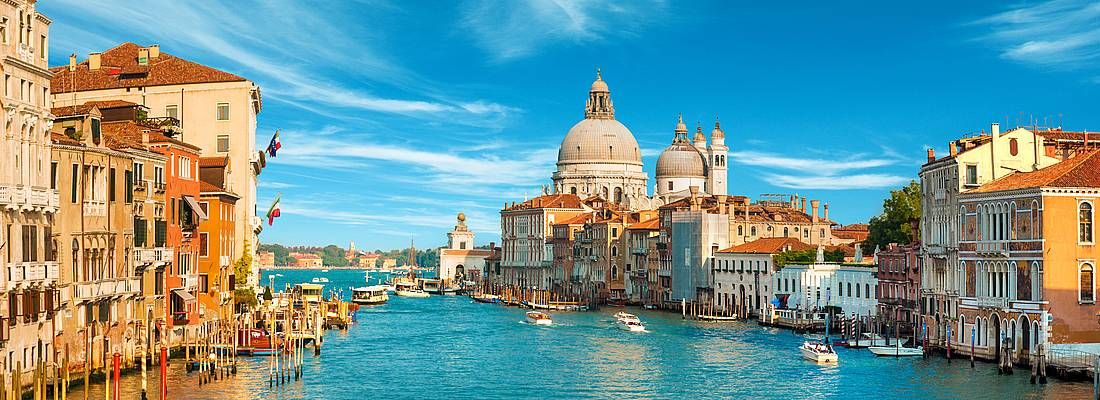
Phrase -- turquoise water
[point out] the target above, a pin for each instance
(450, 347)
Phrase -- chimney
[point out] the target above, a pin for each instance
(994, 158)
(931, 155)
(814, 204)
(953, 147)
(721, 204)
(93, 61)
(694, 197)
(154, 51)
(1039, 146)
(143, 56)
(145, 137)
(72, 62)
(803, 205)
(826, 212)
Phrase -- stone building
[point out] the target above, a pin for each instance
(743, 274)
(526, 237)
(28, 194)
(1027, 257)
(818, 285)
(899, 274)
(216, 240)
(218, 108)
(460, 261)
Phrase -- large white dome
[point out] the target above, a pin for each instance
(599, 141)
(681, 160)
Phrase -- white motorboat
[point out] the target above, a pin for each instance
(621, 315)
(818, 352)
(631, 325)
(413, 293)
(369, 295)
(539, 318)
(320, 280)
(896, 351)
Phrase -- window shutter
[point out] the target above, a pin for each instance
(73, 187)
(111, 185)
(162, 231)
(129, 187)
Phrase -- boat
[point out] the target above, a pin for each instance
(310, 292)
(896, 351)
(324, 270)
(629, 322)
(621, 315)
(539, 318)
(413, 293)
(866, 339)
(486, 298)
(255, 342)
(369, 295)
(320, 280)
(716, 318)
(818, 352)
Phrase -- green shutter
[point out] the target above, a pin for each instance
(129, 187)
(111, 185)
(73, 188)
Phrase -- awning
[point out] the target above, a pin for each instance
(182, 293)
(195, 207)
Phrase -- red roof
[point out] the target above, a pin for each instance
(857, 232)
(1082, 170)
(650, 224)
(102, 104)
(133, 131)
(576, 220)
(120, 69)
(70, 111)
(60, 138)
(219, 161)
(549, 201)
(768, 246)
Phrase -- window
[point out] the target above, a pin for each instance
(223, 143)
(53, 175)
(95, 130)
(172, 111)
(111, 185)
(204, 244)
(971, 174)
(129, 187)
(184, 170)
(223, 111)
(42, 47)
(1084, 220)
(72, 189)
(205, 206)
(1087, 286)
(158, 174)
(4, 30)
(670, 185)
(204, 283)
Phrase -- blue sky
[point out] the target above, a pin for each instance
(396, 115)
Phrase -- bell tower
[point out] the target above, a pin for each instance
(716, 153)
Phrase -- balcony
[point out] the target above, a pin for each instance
(95, 209)
(224, 261)
(30, 272)
(152, 255)
(106, 287)
(159, 187)
(190, 282)
(641, 251)
(936, 250)
(140, 185)
(992, 302)
(992, 247)
(6, 195)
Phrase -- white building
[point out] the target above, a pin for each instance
(743, 274)
(460, 260)
(817, 285)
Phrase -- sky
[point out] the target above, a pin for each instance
(397, 115)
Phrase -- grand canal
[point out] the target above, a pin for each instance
(451, 347)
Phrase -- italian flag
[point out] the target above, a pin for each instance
(273, 212)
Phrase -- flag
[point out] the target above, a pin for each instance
(273, 212)
(275, 144)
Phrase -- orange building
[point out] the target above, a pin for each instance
(216, 246)
(183, 217)
(1027, 260)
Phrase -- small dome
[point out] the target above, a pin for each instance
(599, 141)
(599, 85)
(699, 139)
(681, 160)
(717, 132)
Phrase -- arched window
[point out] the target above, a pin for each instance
(962, 329)
(614, 271)
(573, 190)
(614, 251)
(1087, 287)
(1084, 220)
(740, 230)
(785, 232)
(618, 195)
(849, 289)
(752, 231)
(867, 287)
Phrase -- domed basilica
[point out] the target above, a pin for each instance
(600, 157)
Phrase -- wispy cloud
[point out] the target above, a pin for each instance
(1056, 33)
(515, 29)
(820, 173)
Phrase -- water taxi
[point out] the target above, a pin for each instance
(413, 293)
(369, 295)
(310, 292)
(539, 318)
(896, 350)
(818, 352)
(486, 298)
(629, 322)
(320, 280)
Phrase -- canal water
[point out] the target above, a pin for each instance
(451, 347)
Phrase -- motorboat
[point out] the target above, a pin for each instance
(539, 318)
(631, 325)
(324, 270)
(320, 280)
(369, 295)
(896, 351)
(818, 352)
(621, 315)
(413, 293)
(486, 298)
(255, 342)
(867, 339)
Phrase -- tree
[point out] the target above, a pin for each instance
(808, 256)
(242, 269)
(894, 225)
(333, 256)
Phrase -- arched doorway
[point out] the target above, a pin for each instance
(1025, 336)
(743, 306)
(996, 337)
(460, 272)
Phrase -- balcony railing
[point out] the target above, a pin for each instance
(159, 187)
(95, 208)
(638, 250)
(991, 246)
(6, 195)
(36, 271)
(992, 302)
(140, 184)
(152, 255)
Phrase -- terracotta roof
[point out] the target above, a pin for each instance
(120, 69)
(119, 142)
(205, 162)
(102, 104)
(576, 220)
(60, 138)
(549, 201)
(1058, 134)
(1082, 170)
(768, 246)
(70, 111)
(133, 131)
(650, 224)
(857, 232)
(205, 186)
